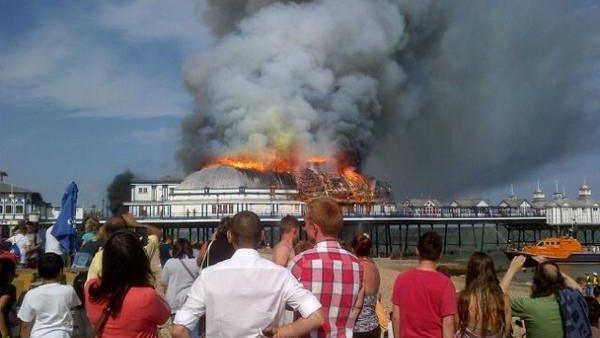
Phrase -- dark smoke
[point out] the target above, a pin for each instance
(440, 98)
(495, 90)
(119, 191)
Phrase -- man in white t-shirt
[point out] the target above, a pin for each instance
(52, 244)
(46, 310)
(21, 241)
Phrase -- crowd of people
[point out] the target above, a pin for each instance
(131, 284)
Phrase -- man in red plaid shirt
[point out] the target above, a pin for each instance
(333, 274)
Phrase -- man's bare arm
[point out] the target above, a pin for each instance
(281, 255)
(396, 320)
(299, 327)
(26, 329)
(448, 327)
(179, 331)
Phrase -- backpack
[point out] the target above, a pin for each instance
(574, 313)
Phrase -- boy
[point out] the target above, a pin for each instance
(48, 307)
(424, 299)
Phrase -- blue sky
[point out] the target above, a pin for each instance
(89, 89)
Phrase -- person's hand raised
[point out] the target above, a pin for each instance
(517, 263)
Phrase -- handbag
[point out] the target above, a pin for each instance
(99, 328)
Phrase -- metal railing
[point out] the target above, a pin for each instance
(402, 212)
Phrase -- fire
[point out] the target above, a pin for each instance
(326, 176)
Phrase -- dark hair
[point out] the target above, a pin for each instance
(361, 245)
(246, 229)
(597, 291)
(114, 224)
(482, 287)
(79, 286)
(124, 265)
(430, 246)
(593, 311)
(547, 280)
(182, 249)
(444, 269)
(288, 223)
(49, 265)
(7, 272)
(302, 246)
(224, 226)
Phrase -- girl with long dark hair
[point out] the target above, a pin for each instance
(123, 302)
(483, 308)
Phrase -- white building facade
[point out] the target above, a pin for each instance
(219, 191)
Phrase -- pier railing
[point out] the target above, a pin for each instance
(401, 212)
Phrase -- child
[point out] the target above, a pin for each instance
(46, 310)
(8, 294)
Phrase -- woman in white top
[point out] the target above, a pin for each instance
(179, 274)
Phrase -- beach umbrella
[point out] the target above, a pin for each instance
(64, 228)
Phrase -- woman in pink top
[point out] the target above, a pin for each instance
(126, 291)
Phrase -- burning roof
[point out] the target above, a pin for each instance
(316, 178)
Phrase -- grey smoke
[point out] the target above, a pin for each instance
(436, 97)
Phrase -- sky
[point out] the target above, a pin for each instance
(89, 89)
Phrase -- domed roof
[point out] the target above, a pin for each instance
(226, 177)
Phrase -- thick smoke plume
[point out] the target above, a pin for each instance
(119, 191)
(437, 97)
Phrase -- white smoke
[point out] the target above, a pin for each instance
(294, 77)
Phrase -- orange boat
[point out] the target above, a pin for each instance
(563, 249)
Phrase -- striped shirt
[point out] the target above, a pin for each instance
(335, 277)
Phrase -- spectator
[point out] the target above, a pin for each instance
(247, 293)
(123, 303)
(218, 249)
(33, 250)
(8, 294)
(79, 316)
(178, 275)
(51, 244)
(91, 228)
(424, 300)
(111, 226)
(594, 315)
(542, 313)
(483, 308)
(596, 292)
(196, 248)
(20, 240)
(83, 257)
(333, 274)
(166, 250)
(152, 249)
(283, 252)
(367, 323)
(46, 310)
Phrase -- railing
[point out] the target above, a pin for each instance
(402, 212)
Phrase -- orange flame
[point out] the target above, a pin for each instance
(358, 187)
